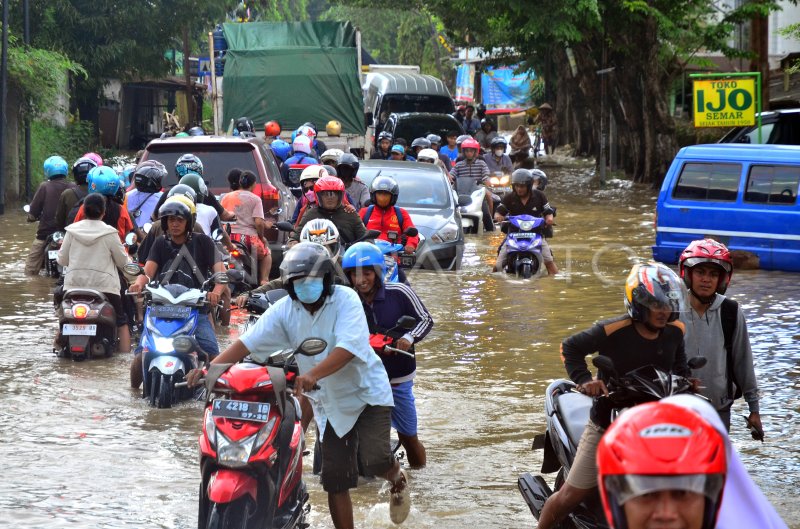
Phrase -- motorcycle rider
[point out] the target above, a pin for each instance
(383, 213)
(70, 197)
(147, 177)
(347, 171)
(716, 329)
(418, 144)
(329, 192)
(184, 257)
(309, 128)
(470, 172)
(43, 208)
(451, 149)
(251, 226)
(301, 155)
(281, 150)
(496, 159)
(189, 163)
(331, 157)
(384, 146)
(651, 476)
(353, 404)
(104, 180)
(398, 153)
(471, 123)
(384, 305)
(649, 333)
(436, 144)
(525, 200)
(93, 255)
(308, 178)
(486, 134)
(244, 126)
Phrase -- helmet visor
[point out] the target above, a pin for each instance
(627, 487)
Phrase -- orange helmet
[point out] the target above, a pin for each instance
(272, 129)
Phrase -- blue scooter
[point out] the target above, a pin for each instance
(524, 240)
(394, 255)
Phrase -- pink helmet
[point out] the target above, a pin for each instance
(94, 157)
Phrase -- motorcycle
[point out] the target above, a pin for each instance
(524, 240)
(87, 325)
(567, 412)
(252, 444)
(395, 256)
(499, 185)
(171, 311)
(51, 247)
(471, 207)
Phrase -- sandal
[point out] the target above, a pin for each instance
(400, 503)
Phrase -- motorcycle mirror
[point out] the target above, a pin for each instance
(392, 235)
(147, 226)
(214, 372)
(26, 208)
(312, 346)
(184, 344)
(464, 200)
(216, 235)
(235, 276)
(407, 322)
(696, 362)
(605, 364)
(285, 226)
(411, 232)
(134, 269)
(130, 239)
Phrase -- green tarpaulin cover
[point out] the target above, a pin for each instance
(293, 72)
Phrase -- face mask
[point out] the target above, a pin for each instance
(498, 152)
(308, 289)
(311, 197)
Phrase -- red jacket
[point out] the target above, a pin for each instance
(385, 220)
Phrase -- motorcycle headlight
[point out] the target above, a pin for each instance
(263, 434)
(163, 344)
(447, 233)
(505, 180)
(234, 453)
(526, 225)
(494, 181)
(211, 429)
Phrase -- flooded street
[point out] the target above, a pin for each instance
(83, 450)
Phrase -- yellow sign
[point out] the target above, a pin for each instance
(724, 102)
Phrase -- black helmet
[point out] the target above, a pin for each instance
(348, 166)
(245, 124)
(148, 175)
(81, 168)
(434, 138)
(498, 141)
(539, 175)
(422, 143)
(384, 136)
(461, 139)
(177, 206)
(196, 131)
(486, 121)
(384, 183)
(522, 176)
(331, 169)
(307, 259)
(184, 190)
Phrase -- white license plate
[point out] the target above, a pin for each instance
(73, 329)
(52, 254)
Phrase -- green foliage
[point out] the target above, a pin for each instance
(792, 31)
(687, 134)
(69, 142)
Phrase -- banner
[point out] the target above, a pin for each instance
(725, 102)
(465, 85)
(501, 89)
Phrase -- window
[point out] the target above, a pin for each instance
(708, 181)
(772, 184)
(217, 160)
(766, 134)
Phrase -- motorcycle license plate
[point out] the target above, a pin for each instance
(73, 329)
(502, 189)
(240, 409)
(52, 254)
(407, 260)
(171, 311)
(524, 235)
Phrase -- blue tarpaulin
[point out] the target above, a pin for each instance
(502, 89)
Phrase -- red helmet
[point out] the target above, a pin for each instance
(660, 446)
(707, 251)
(328, 183)
(272, 129)
(470, 143)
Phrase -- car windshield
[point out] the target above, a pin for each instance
(217, 160)
(417, 103)
(418, 189)
(413, 128)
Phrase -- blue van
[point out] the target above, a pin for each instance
(744, 196)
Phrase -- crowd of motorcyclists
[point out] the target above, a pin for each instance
(335, 278)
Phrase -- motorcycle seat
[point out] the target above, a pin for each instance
(574, 411)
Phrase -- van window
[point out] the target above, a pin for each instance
(772, 184)
(217, 159)
(708, 181)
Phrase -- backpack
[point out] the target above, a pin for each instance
(80, 194)
(371, 208)
(729, 314)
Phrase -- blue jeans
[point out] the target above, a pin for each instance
(205, 336)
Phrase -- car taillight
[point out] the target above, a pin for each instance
(231, 266)
(80, 311)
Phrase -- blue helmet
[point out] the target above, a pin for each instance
(363, 254)
(55, 167)
(103, 180)
(127, 174)
(281, 149)
(186, 163)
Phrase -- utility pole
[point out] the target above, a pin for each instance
(187, 77)
(759, 45)
(3, 93)
(27, 40)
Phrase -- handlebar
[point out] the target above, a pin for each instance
(398, 351)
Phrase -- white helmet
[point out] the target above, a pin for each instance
(321, 231)
(305, 130)
(427, 155)
(302, 144)
(313, 172)
(331, 154)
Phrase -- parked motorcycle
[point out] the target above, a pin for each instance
(87, 325)
(171, 311)
(567, 412)
(524, 240)
(251, 448)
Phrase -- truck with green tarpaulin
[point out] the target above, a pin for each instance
(293, 73)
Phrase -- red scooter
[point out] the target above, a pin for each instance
(251, 448)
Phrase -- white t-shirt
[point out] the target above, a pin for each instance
(205, 217)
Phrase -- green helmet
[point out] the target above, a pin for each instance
(195, 181)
